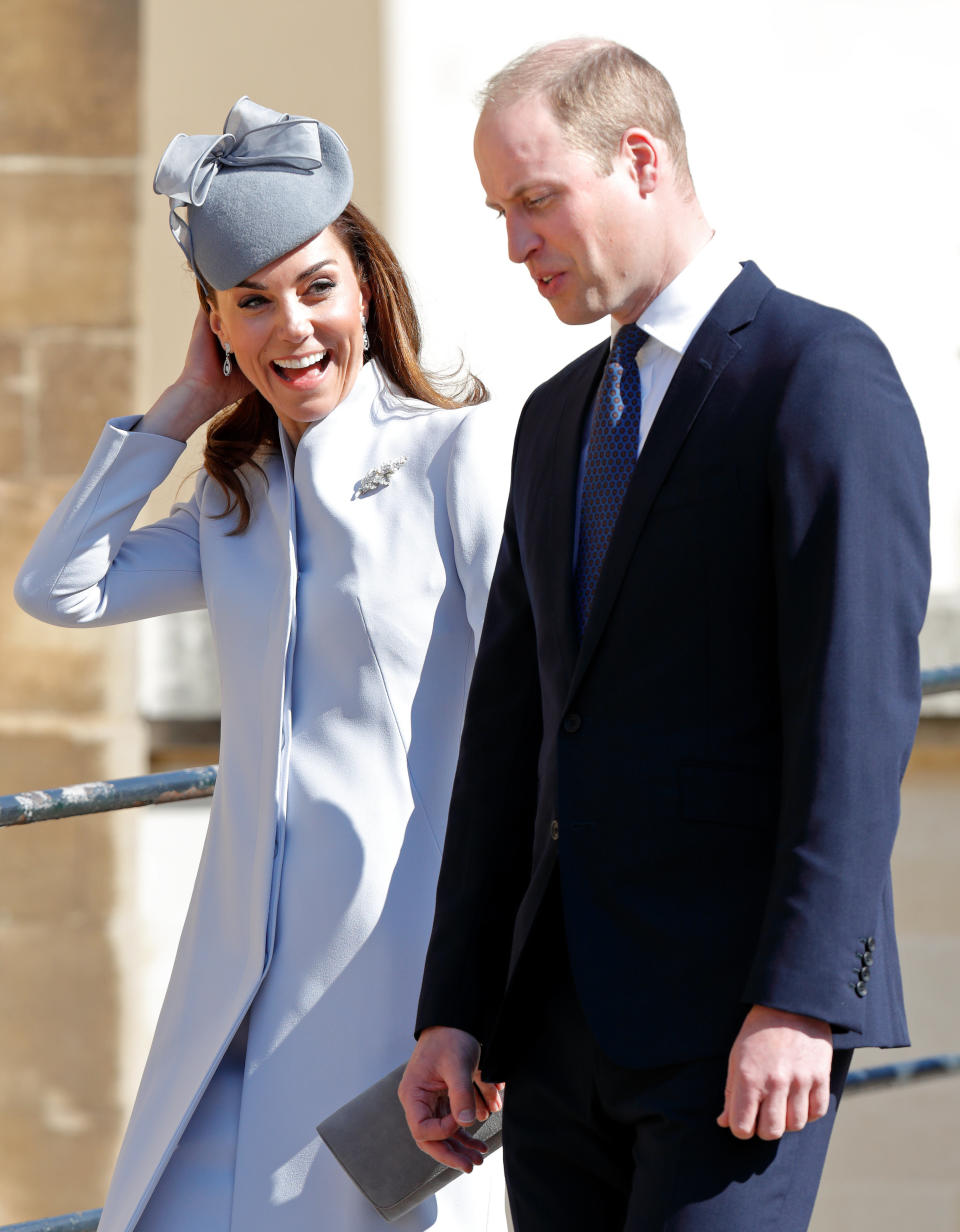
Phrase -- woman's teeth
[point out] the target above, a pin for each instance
(307, 361)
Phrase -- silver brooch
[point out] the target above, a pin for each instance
(380, 476)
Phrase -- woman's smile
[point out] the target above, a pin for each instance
(302, 372)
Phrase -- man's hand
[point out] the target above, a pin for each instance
(441, 1092)
(778, 1077)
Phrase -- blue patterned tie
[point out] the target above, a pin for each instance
(611, 457)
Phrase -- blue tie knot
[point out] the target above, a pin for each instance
(621, 384)
(628, 341)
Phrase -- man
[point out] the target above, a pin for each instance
(664, 909)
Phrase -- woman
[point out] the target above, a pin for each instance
(342, 535)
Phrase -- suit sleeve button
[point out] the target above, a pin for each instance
(554, 829)
(867, 958)
(865, 975)
(870, 944)
(860, 988)
(571, 723)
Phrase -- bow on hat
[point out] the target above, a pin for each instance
(252, 136)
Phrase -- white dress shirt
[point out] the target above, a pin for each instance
(670, 322)
(672, 319)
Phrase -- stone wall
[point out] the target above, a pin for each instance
(68, 133)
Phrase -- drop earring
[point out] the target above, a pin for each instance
(366, 338)
(227, 365)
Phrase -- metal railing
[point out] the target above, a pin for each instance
(110, 795)
(80, 1221)
(941, 680)
(105, 797)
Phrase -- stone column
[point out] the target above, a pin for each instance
(68, 129)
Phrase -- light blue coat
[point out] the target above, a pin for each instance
(345, 626)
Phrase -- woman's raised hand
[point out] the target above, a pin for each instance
(199, 391)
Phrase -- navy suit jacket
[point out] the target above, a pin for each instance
(716, 766)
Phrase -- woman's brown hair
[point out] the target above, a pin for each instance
(235, 435)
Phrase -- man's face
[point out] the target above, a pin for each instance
(578, 232)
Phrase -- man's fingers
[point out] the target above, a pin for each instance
(443, 1153)
(469, 1149)
(772, 1113)
(819, 1104)
(458, 1151)
(489, 1097)
(799, 1108)
(465, 1101)
(438, 1094)
(740, 1109)
(441, 1092)
(428, 1115)
(742, 1116)
(437, 1134)
(778, 1075)
(723, 1120)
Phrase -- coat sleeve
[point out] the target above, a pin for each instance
(478, 477)
(88, 567)
(487, 850)
(848, 482)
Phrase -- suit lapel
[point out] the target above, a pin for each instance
(558, 520)
(709, 352)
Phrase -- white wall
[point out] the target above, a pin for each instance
(823, 140)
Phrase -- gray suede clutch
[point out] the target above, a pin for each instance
(371, 1142)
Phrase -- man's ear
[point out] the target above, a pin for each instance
(641, 150)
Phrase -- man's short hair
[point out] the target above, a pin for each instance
(596, 90)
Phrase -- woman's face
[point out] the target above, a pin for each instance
(296, 330)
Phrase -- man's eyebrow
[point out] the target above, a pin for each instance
(512, 196)
(520, 191)
(307, 273)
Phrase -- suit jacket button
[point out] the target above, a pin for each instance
(571, 723)
(554, 829)
(860, 988)
(865, 974)
(870, 944)
(867, 958)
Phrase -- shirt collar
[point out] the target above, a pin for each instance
(680, 308)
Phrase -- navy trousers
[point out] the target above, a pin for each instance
(589, 1144)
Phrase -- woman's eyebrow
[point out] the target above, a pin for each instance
(307, 273)
(314, 269)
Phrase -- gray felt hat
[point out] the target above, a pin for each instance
(268, 184)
